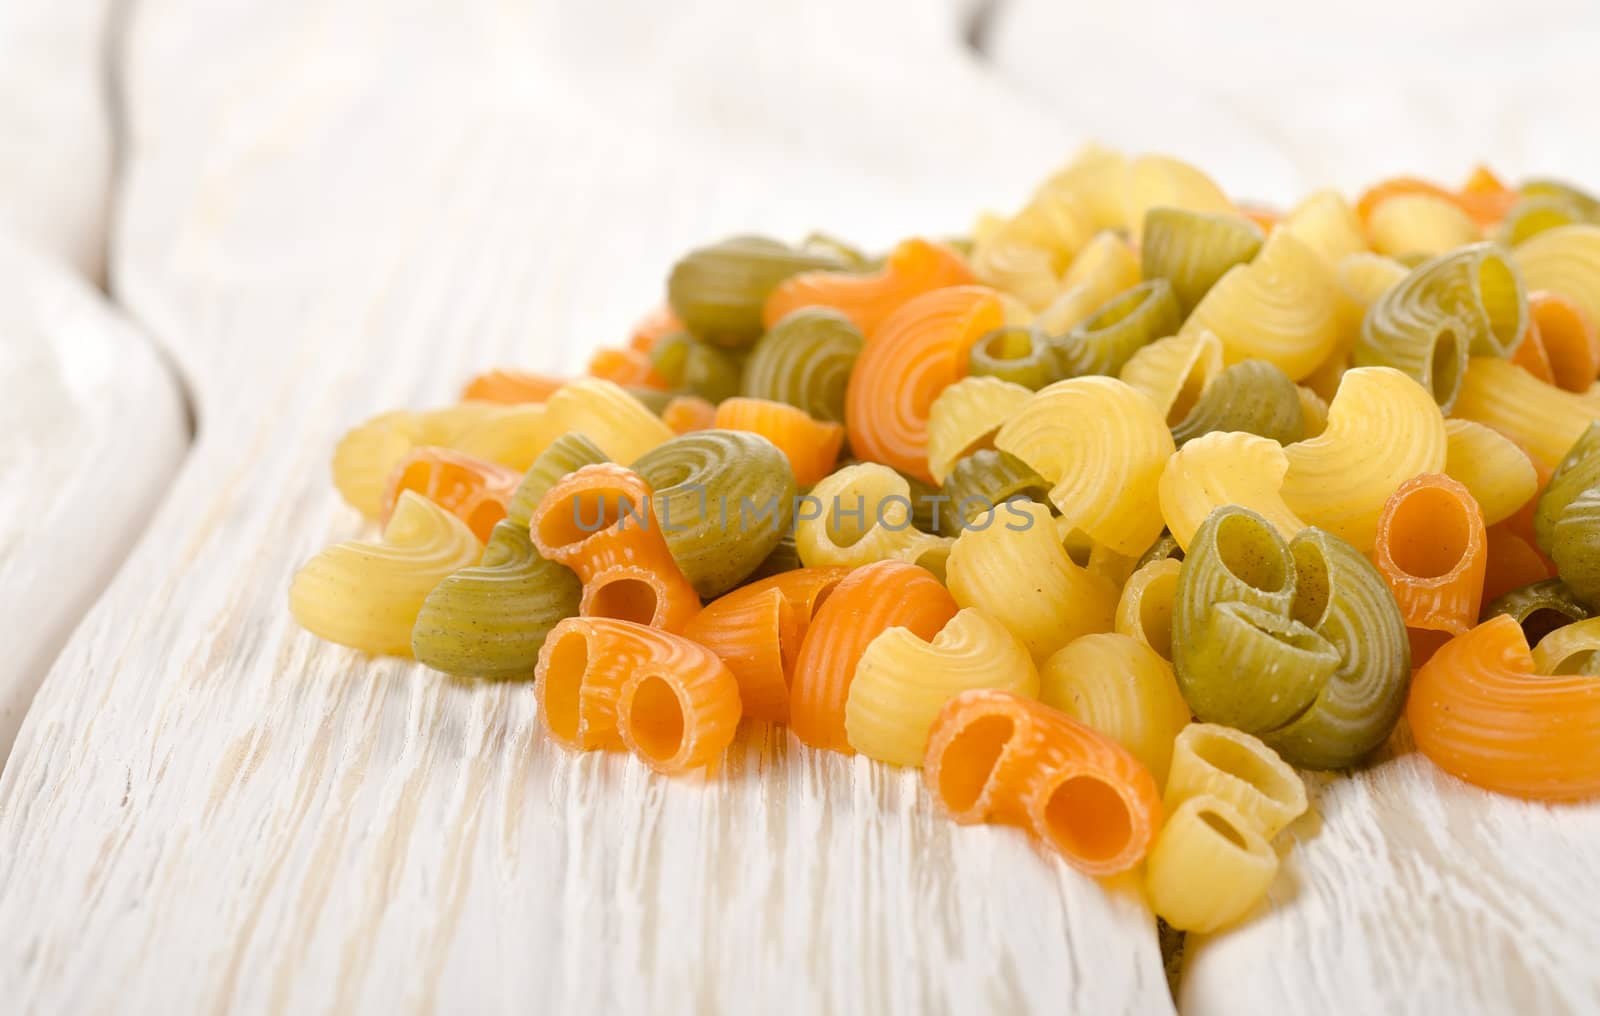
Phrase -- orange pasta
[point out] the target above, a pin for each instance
(688, 412)
(1568, 338)
(755, 631)
(604, 683)
(1261, 215)
(510, 386)
(915, 267)
(626, 367)
(1485, 197)
(1511, 562)
(474, 491)
(653, 327)
(811, 446)
(599, 521)
(919, 352)
(996, 756)
(1484, 204)
(1431, 549)
(806, 588)
(872, 598)
(1531, 355)
(1481, 712)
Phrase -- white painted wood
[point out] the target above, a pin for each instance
(335, 209)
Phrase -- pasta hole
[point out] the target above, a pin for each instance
(1444, 368)
(566, 663)
(970, 758)
(1542, 622)
(1429, 532)
(1155, 612)
(1088, 819)
(655, 718)
(585, 513)
(1312, 585)
(1223, 828)
(1194, 383)
(1237, 760)
(1007, 344)
(626, 599)
(1497, 284)
(483, 516)
(1247, 547)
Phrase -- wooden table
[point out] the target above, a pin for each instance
(321, 211)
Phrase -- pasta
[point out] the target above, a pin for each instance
(1212, 761)
(1225, 468)
(1565, 260)
(1570, 649)
(1011, 565)
(512, 437)
(474, 491)
(982, 481)
(1540, 608)
(863, 514)
(1577, 474)
(1541, 418)
(1431, 548)
(627, 367)
(1420, 224)
(714, 485)
(685, 364)
(913, 268)
(1382, 430)
(1326, 224)
(653, 327)
(1251, 396)
(1024, 271)
(566, 454)
(805, 360)
(1173, 372)
(685, 414)
(1569, 340)
(1208, 867)
(1480, 711)
(614, 420)
(811, 446)
(1108, 338)
(1104, 267)
(903, 680)
(510, 386)
(1016, 354)
(1191, 251)
(1102, 446)
(1160, 181)
(1280, 307)
(1512, 561)
(366, 456)
(720, 292)
(1144, 610)
(965, 417)
(366, 594)
(489, 620)
(1499, 474)
(869, 601)
(919, 350)
(1122, 688)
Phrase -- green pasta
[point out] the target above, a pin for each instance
(848, 254)
(718, 292)
(1251, 668)
(1577, 473)
(1112, 334)
(1192, 250)
(1575, 546)
(696, 367)
(653, 399)
(1469, 302)
(1166, 546)
(489, 621)
(982, 480)
(1015, 353)
(805, 361)
(566, 454)
(1235, 556)
(1344, 599)
(1254, 396)
(1540, 607)
(723, 499)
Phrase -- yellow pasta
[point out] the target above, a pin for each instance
(1222, 468)
(1162, 181)
(1326, 224)
(1208, 866)
(965, 417)
(1012, 565)
(1103, 445)
(1095, 181)
(1571, 649)
(1364, 277)
(1208, 758)
(606, 414)
(1105, 267)
(902, 682)
(1280, 307)
(862, 514)
(1144, 610)
(1490, 465)
(1544, 419)
(1420, 224)
(1173, 372)
(1565, 260)
(366, 457)
(1313, 410)
(367, 594)
(1122, 688)
(1021, 269)
(513, 437)
(1383, 429)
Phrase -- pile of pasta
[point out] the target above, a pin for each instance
(1108, 517)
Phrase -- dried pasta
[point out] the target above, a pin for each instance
(1173, 372)
(721, 292)
(1225, 468)
(1208, 866)
(1122, 688)
(1144, 610)
(614, 420)
(1209, 760)
(966, 416)
(1192, 250)
(805, 359)
(474, 491)
(863, 514)
(811, 446)
(1431, 547)
(913, 268)
(1251, 396)
(1499, 474)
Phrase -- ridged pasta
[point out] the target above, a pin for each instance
(685, 414)
(1280, 307)
(474, 491)
(1209, 760)
(1499, 474)
(1327, 225)
(869, 601)
(1225, 468)
(1431, 548)
(566, 454)
(1103, 342)
(1568, 336)
(366, 456)
(1144, 610)
(811, 446)
(983, 481)
(1313, 412)
(1017, 354)
(1251, 396)
(1173, 372)
(512, 437)
(1122, 688)
(1191, 250)
(1481, 712)
(683, 363)
(1208, 867)
(1541, 418)
(614, 420)
(720, 292)
(863, 514)
(724, 499)
(1540, 607)
(1420, 224)
(914, 267)
(1104, 267)
(1570, 649)
(1160, 181)
(1023, 270)
(627, 367)
(1565, 260)
(966, 416)
(1512, 561)
(511, 386)
(1383, 428)
(805, 360)
(1011, 565)
(489, 620)
(653, 327)
(920, 350)
(366, 594)
(1102, 446)
(903, 680)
